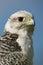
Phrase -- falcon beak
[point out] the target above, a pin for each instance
(30, 21)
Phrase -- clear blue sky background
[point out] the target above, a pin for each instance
(7, 7)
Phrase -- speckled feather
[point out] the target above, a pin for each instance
(10, 51)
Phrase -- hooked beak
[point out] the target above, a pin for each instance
(30, 21)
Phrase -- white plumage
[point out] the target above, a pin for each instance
(20, 23)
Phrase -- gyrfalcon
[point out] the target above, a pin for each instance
(16, 45)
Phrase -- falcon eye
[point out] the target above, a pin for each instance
(20, 19)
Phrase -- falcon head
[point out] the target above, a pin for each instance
(21, 20)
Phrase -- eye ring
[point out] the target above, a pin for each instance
(21, 19)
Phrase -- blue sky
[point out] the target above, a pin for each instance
(7, 7)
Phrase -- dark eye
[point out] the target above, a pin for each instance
(20, 19)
